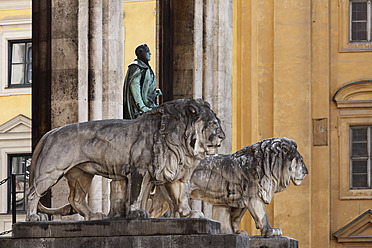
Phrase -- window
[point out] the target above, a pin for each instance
(360, 21)
(354, 131)
(360, 157)
(19, 164)
(20, 63)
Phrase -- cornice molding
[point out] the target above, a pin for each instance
(15, 22)
(354, 95)
(12, 123)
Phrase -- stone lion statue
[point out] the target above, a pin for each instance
(163, 146)
(246, 179)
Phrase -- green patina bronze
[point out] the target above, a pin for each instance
(140, 93)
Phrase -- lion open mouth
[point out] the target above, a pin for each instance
(212, 149)
(297, 181)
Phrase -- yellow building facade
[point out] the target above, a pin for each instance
(15, 102)
(15, 24)
(299, 72)
(296, 74)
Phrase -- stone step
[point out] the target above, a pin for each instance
(136, 233)
(115, 227)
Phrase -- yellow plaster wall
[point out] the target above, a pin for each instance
(139, 27)
(15, 14)
(13, 105)
(288, 64)
(272, 94)
(242, 127)
(292, 110)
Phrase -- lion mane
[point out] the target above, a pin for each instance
(161, 146)
(269, 156)
(244, 180)
(171, 148)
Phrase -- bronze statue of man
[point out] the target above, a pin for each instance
(140, 93)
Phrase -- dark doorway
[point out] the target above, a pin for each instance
(165, 34)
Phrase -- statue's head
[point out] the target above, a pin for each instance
(143, 53)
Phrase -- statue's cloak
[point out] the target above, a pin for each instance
(140, 72)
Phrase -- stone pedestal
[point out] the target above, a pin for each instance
(159, 233)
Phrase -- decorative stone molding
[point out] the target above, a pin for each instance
(18, 124)
(21, 22)
(354, 95)
(358, 230)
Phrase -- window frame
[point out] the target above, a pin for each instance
(369, 20)
(25, 63)
(9, 204)
(344, 30)
(368, 157)
(15, 29)
(346, 120)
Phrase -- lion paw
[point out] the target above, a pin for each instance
(139, 214)
(272, 232)
(196, 214)
(96, 216)
(242, 233)
(38, 217)
(43, 217)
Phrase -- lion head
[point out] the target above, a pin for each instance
(276, 161)
(188, 129)
(298, 169)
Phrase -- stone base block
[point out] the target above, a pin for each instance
(145, 233)
(115, 227)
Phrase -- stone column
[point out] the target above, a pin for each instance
(95, 60)
(95, 88)
(83, 54)
(112, 59)
(208, 51)
(112, 71)
(65, 64)
(203, 61)
(222, 67)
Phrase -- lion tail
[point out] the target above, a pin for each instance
(35, 156)
(64, 210)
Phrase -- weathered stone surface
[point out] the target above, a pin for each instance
(244, 180)
(159, 233)
(166, 241)
(62, 32)
(272, 242)
(201, 239)
(132, 153)
(114, 227)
